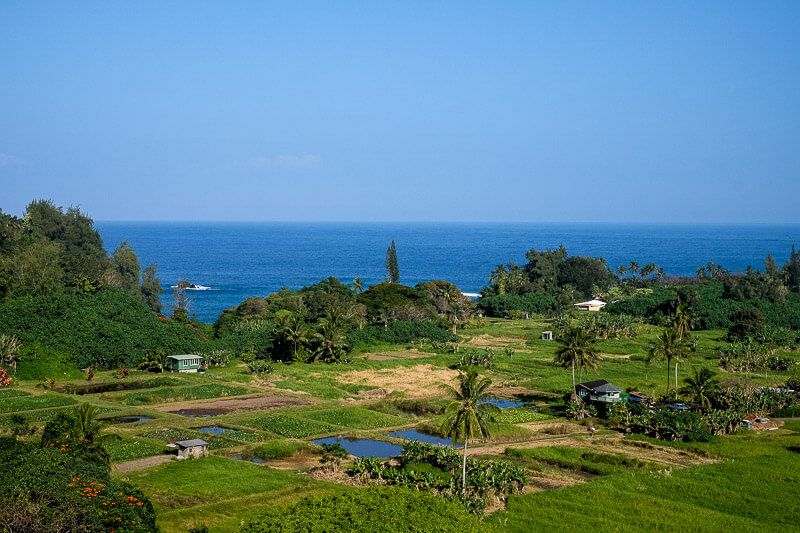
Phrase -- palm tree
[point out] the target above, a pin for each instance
(469, 415)
(682, 320)
(577, 348)
(358, 285)
(621, 270)
(294, 331)
(154, 362)
(89, 432)
(633, 268)
(9, 351)
(670, 345)
(701, 387)
(331, 341)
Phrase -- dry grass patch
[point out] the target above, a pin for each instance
(418, 381)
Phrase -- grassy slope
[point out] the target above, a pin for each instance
(753, 488)
(218, 491)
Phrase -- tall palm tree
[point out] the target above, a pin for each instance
(294, 331)
(89, 431)
(576, 348)
(682, 319)
(701, 387)
(9, 351)
(331, 341)
(358, 285)
(633, 268)
(670, 346)
(469, 415)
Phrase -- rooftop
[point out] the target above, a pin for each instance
(184, 357)
(599, 385)
(191, 443)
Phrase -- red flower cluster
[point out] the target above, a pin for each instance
(5, 379)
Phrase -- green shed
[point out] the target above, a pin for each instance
(184, 363)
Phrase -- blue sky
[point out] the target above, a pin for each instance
(446, 111)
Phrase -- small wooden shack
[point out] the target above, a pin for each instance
(547, 335)
(184, 363)
(192, 449)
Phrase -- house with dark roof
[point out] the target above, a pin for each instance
(600, 391)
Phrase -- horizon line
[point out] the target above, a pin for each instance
(460, 222)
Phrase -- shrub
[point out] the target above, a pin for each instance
(105, 329)
(399, 332)
(56, 490)
(505, 305)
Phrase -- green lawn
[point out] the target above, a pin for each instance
(753, 488)
(218, 491)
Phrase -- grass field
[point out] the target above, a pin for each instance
(603, 482)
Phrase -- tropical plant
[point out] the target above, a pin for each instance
(576, 348)
(9, 351)
(155, 361)
(358, 286)
(702, 386)
(89, 432)
(291, 331)
(469, 415)
(330, 340)
(670, 346)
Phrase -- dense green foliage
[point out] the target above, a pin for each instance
(502, 305)
(104, 329)
(61, 488)
(389, 509)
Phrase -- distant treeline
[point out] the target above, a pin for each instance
(552, 280)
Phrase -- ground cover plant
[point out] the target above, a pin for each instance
(178, 394)
(29, 402)
(746, 490)
(217, 491)
(359, 510)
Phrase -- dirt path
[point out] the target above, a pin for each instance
(139, 464)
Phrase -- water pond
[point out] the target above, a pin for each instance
(364, 447)
(505, 403)
(240, 457)
(416, 435)
(127, 419)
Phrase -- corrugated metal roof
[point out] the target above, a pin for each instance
(191, 443)
(184, 357)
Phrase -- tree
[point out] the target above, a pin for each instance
(792, 271)
(154, 362)
(683, 319)
(9, 351)
(392, 268)
(469, 414)
(291, 331)
(330, 340)
(576, 348)
(88, 432)
(771, 268)
(670, 346)
(180, 301)
(126, 265)
(152, 289)
(36, 269)
(701, 387)
(746, 323)
(358, 286)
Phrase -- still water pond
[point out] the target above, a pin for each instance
(364, 447)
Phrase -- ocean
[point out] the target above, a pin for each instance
(241, 260)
